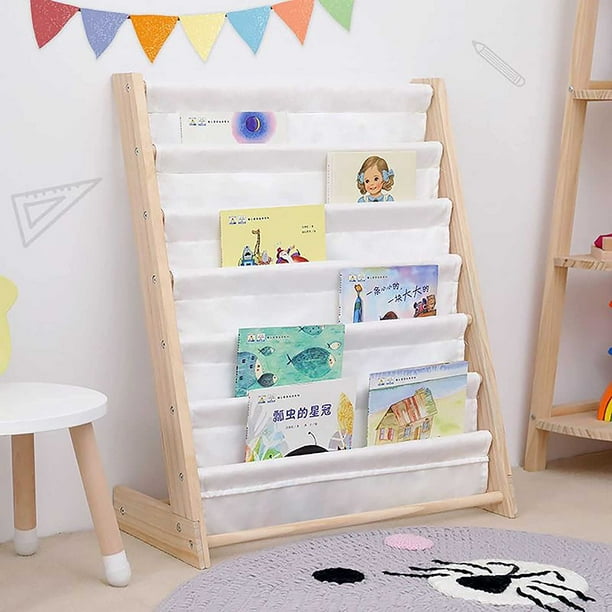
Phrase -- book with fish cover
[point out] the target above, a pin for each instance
(300, 419)
(274, 356)
(370, 176)
(396, 292)
(272, 236)
(417, 403)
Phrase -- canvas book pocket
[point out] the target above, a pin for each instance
(210, 359)
(219, 426)
(221, 299)
(214, 179)
(287, 490)
(402, 232)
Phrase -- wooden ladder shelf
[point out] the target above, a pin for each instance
(578, 419)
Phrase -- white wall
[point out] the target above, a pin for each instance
(78, 318)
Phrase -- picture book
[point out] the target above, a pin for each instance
(417, 403)
(276, 356)
(370, 176)
(396, 292)
(300, 419)
(270, 236)
(229, 128)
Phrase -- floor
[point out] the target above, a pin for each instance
(572, 497)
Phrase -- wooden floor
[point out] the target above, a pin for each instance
(571, 498)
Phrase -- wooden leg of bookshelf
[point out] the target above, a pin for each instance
(154, 522)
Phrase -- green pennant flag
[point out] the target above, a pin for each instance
(340, 10)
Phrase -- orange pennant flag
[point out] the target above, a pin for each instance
(296, 14)
(152, 32)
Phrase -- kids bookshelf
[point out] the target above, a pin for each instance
(580, 418)
(193, 310)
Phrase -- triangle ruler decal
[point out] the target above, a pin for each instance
(38, 210)
(35, 211)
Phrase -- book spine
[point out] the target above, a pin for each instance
(340, 297)
(329, 179)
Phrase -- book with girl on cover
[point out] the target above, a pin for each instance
(370, 176)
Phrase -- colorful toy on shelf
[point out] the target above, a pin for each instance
(605, 403)
(602, 247)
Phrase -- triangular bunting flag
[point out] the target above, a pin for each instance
(8, 295)
(101, 28)
(296, 14)
(152, 32)
(251, 25)
(38, 210)
(340, 10)
(202, 31)
(48, 18)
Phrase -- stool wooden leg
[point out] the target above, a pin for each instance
(116, 565)
(24, 494)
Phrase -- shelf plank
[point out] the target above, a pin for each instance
(593, 95)
(583, 262)
(581, 425)
(574, 408)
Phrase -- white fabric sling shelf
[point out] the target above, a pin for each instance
(194, 309)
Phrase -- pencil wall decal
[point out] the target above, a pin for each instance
(498, 63)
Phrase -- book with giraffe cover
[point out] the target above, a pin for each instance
(273, 235)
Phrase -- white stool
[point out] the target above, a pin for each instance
(29, 408)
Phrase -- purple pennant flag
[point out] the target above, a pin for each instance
(101, 28)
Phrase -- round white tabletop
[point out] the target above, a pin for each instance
(27, 408)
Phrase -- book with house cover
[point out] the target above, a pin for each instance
(276, 356)
(417, 403)
(273, 235)
(300, 419)
(396, 292)
(370, 176)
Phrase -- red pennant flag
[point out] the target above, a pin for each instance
(48, 18)
(152, 32)
(296, 14)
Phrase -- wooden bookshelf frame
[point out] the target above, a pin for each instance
(177, 525)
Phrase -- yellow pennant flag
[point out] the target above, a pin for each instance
(203, 31)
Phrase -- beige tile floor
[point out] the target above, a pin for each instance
(572, 497)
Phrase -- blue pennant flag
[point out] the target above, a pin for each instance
(251, 25)
(101, 28)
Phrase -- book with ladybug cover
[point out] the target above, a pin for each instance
(300, 419)
(275, 356)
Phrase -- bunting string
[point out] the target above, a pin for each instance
(202, 30)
